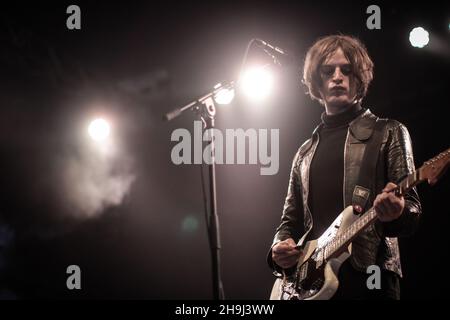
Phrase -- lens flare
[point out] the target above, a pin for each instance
(224, 96)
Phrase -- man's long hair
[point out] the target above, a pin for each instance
(356, 53)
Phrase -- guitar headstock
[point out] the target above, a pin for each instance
(434, 169)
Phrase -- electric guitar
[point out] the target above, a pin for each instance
(315, 277)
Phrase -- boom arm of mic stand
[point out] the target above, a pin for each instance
(191, 106)
(178, 111)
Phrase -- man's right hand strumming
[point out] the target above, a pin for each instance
(286, 254)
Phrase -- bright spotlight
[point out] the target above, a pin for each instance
(419, 37)
(224, 96)
(99, 130)
(257, 83)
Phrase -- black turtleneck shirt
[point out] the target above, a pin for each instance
(326, 197)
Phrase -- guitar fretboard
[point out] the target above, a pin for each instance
(342, 240)
(431, 171)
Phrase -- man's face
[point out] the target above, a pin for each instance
(338, 86)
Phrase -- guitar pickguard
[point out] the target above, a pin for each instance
(315, 278)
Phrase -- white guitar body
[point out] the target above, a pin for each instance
(286, 288)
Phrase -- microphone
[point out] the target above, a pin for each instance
(275, 53)
(273, 48)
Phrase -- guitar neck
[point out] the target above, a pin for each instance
(342, 240)
(431, 171)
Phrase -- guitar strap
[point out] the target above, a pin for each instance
(361, 193)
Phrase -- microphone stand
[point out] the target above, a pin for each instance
(208, 118)
(205, 108)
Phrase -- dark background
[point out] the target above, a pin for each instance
(154, 244)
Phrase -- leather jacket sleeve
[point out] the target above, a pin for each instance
(292, 217)
(400, 163)
(291, 225)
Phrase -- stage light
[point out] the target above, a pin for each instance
(99, 130)
(224, 96)
(256, 83)
(419, 37)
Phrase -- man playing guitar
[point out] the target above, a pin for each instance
(327, 171)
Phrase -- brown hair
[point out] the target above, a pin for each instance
(356, 53)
